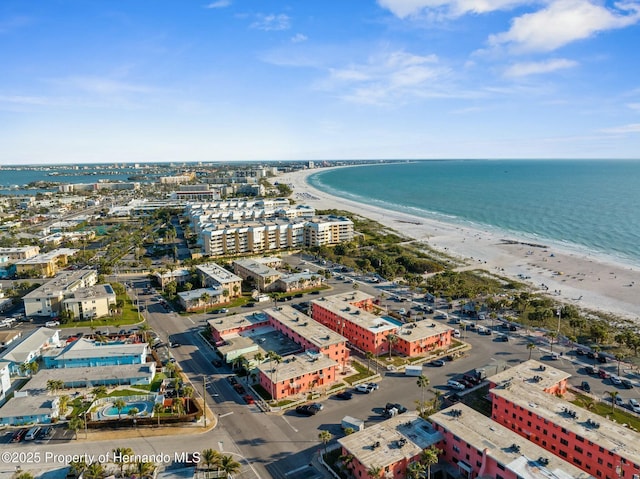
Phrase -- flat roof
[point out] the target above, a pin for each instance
(242, 320)
(421, 330)
(416, 433)
(85, 348)
(18, 352)
(257, 267)
(49, 256)
(218, 273)
(96, 291)
(342, 305)
(609, 435)
(533, 372)
(193, 294)
(62, 281)
(300, 323)
(484, 434)
(297, 365)
(28, 406)
(38, 383)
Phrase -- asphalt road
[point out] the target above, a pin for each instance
(272, 444)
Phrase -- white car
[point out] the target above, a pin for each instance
(364, 388)
(52, 324)
(456, 333)
(615, 380)
(634, 405)
(455, 385)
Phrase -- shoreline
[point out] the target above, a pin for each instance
(582, 279)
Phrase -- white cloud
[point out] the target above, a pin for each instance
(272, 22)
(219, 4)
(299, 38)
(103, 86)
(448, 8)
(537, 68)
(624, 129)
(563, 22)
(389, 77)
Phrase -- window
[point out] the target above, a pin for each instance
(578, 449)
(456, 448)
(564, 442)
(577, 461)
(500, 466)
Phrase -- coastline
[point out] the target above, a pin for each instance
(587, 281)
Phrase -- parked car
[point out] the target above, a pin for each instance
(344, 395)
(602, 358)
(248, 398)
(585, 387)
(591, 370)
(627, 384)
(604, 375)
(363, 388)
(217, 363)
(52, 324)
(306, 410)
(19, 435)
(45, 432)
(503, 338)
(394, 405)
(615, 380)
(580, 352)
(373, 386)
(455, 385)
(232, 380)
(317, 406)
(438, 363)
(634, 405)
(239, 389)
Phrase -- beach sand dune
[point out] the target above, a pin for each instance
(587, 281)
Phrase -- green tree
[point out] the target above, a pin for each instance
(211, 457)
(24, 475)
(391, 340)
(229, 466)
(325, 437)
(54, 385)
(531, 347)
(119, 404)
(369, 355)
(374, 472)
(613, 396)
(77, 467)
(158, 409)
(99, 391)
(75, 424)
(430, 458)
(422, 382)
(120, 457)
(552, 335)
(62, 406)
(415, 470)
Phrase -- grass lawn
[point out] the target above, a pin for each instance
(604, 409)
(362, 373)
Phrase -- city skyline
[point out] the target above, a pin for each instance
(235, 80)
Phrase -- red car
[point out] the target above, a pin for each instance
(248, 398)
(603, 374)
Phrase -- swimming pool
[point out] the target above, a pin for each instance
(143, 408)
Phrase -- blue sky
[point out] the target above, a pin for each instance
(215, 80)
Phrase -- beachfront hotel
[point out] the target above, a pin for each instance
(524, 400)
(310, 350)
(353, 315)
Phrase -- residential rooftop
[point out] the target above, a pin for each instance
(499, 442)
(29, 406)
(63, 281)
(421, 330)
(533, 372)
(343, 305)
(597, 429)
(403, 436)
(94, 375)
(242, 321)
(195, 294)
(49, 256)
(297, 365)
(19, 352)
(85, 349)
(301, 324)
(218, 273)
(258, 268)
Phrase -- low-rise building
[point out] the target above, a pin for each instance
(20, 252)
(5, 378)
(478, 447)
(24, 408)
(89, 377)
(213, 275)
(47, 299)
(201, 298)
(389, 446)
(90, 303)
(88, 353)
(32, 346)
(45, 264)
(256, 273)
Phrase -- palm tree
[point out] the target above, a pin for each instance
(325, 437)
(133, 412)
(178, 407)
(121, 456)
(205, 298)
(415, 470)
(369, 355)
(99, 391)
(119, 404)
(24, 475)
(54, 385)
(273, 356)
(552, 335)
(531, 347)
(612, 395)
(211, 457)
(347, 461)
(158, 408)
(229, 465)
(77, 467)
(144, 469)
(374, 472)
(391, 340)
(187, 392)
(74, 425)
(619, 357)
(429, 458)
(144, 328)
(422, 382)
(62, 407)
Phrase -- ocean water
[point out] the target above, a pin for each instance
(592, 206)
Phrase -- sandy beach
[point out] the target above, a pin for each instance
(588, 282)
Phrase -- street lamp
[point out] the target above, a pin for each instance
(558, 312)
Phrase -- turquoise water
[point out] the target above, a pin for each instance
(393, 320)
(592, 206)
(113, 411)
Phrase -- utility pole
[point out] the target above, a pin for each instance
(204, 399)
